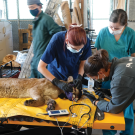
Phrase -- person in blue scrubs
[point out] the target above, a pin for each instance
(65, 56)
(119, 41)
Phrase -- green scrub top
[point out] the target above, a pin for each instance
(124, 47)
(43, 29)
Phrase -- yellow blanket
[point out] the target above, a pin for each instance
(12, 107)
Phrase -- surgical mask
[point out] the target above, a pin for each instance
(73, 50)
(34, 12)
(117, 32)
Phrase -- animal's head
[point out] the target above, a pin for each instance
(75, 95)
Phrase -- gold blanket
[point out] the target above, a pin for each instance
(12, 107)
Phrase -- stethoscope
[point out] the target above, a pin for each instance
(75, 115)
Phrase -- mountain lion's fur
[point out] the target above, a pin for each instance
(42, 91)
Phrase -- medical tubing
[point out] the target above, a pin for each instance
(85, 122)
(59, 126)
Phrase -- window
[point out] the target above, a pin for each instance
(2, 10)
(44, 2)
(100, 13)
(12, 9)
(24, 10)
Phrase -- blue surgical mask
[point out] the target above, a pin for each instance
(34, 12)
(73, 50)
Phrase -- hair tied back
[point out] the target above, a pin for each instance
(76, 25)
(96, 57)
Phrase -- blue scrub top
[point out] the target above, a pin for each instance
(61, 62)
(124, 47)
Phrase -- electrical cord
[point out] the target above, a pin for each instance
(59, 126)
(71, 115)
(61, 129)
(39, 114)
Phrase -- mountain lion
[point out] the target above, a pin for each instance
(42, 91)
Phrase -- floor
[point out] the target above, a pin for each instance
(99, 132)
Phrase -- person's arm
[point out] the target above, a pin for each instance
(51, 26)
(44, 71)
(121, 98)
(78, 81)
(85, 54)
(62, 85)
(81, 68)
(132, 45)
(133, 54)
(98, 41)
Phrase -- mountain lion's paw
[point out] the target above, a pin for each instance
(29, 102)
(51, 105)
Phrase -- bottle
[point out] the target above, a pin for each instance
(90, 85)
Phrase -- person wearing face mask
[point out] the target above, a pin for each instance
(65, 56)
(119, 41)
(117, 38)
(44, 28)
(121, 73)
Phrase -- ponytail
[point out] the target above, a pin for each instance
(95, 62)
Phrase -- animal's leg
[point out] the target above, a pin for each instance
(34, 103)
(38, 99)
(51, 103)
